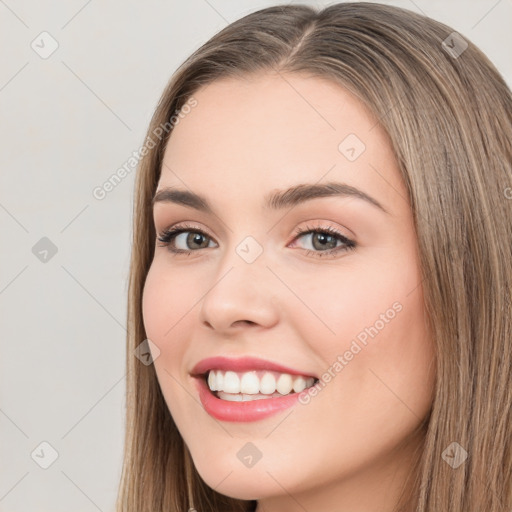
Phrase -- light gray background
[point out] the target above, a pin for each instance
(67, 123)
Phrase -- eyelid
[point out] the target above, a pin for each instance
(348, 242)
(324, 225)
(181, 227)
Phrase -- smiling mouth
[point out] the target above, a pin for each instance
(255, 384)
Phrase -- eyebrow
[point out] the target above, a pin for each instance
(275, 200)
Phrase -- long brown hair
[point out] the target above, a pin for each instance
(448, 114)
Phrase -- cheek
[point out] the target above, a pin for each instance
(166, 301)
(166, 312)
(355, 302)
(369, 329)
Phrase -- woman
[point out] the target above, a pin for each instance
(321, 272)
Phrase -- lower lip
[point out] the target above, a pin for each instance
(252, 410)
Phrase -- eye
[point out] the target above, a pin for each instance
(189, 237)
(324, 241)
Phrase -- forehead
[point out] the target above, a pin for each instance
(271, 131)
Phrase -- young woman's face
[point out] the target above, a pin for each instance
(342, 302)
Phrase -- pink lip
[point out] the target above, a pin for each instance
(242, 411)
(242, 364)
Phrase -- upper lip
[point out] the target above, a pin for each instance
(241, 364)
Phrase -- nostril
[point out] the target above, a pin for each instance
(250, 322)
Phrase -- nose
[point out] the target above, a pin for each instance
(240, 295)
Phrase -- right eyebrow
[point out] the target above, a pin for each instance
(182, 197)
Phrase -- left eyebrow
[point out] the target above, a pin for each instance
(276, 200)
(304, 192)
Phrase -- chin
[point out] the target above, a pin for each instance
(236, 481)
(240, 486)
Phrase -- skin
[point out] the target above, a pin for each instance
(350, 447)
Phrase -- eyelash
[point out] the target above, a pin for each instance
(167, 236)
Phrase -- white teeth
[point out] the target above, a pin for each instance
(231, 383)
(219, 380)
(250, 384)
(284, 384)
(255, 385)
(299, 384)
(239, 397)
(267, 384)
(231, 397)
(212, 381)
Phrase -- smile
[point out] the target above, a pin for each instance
(247, 389)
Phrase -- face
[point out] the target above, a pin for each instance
(319, 283)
